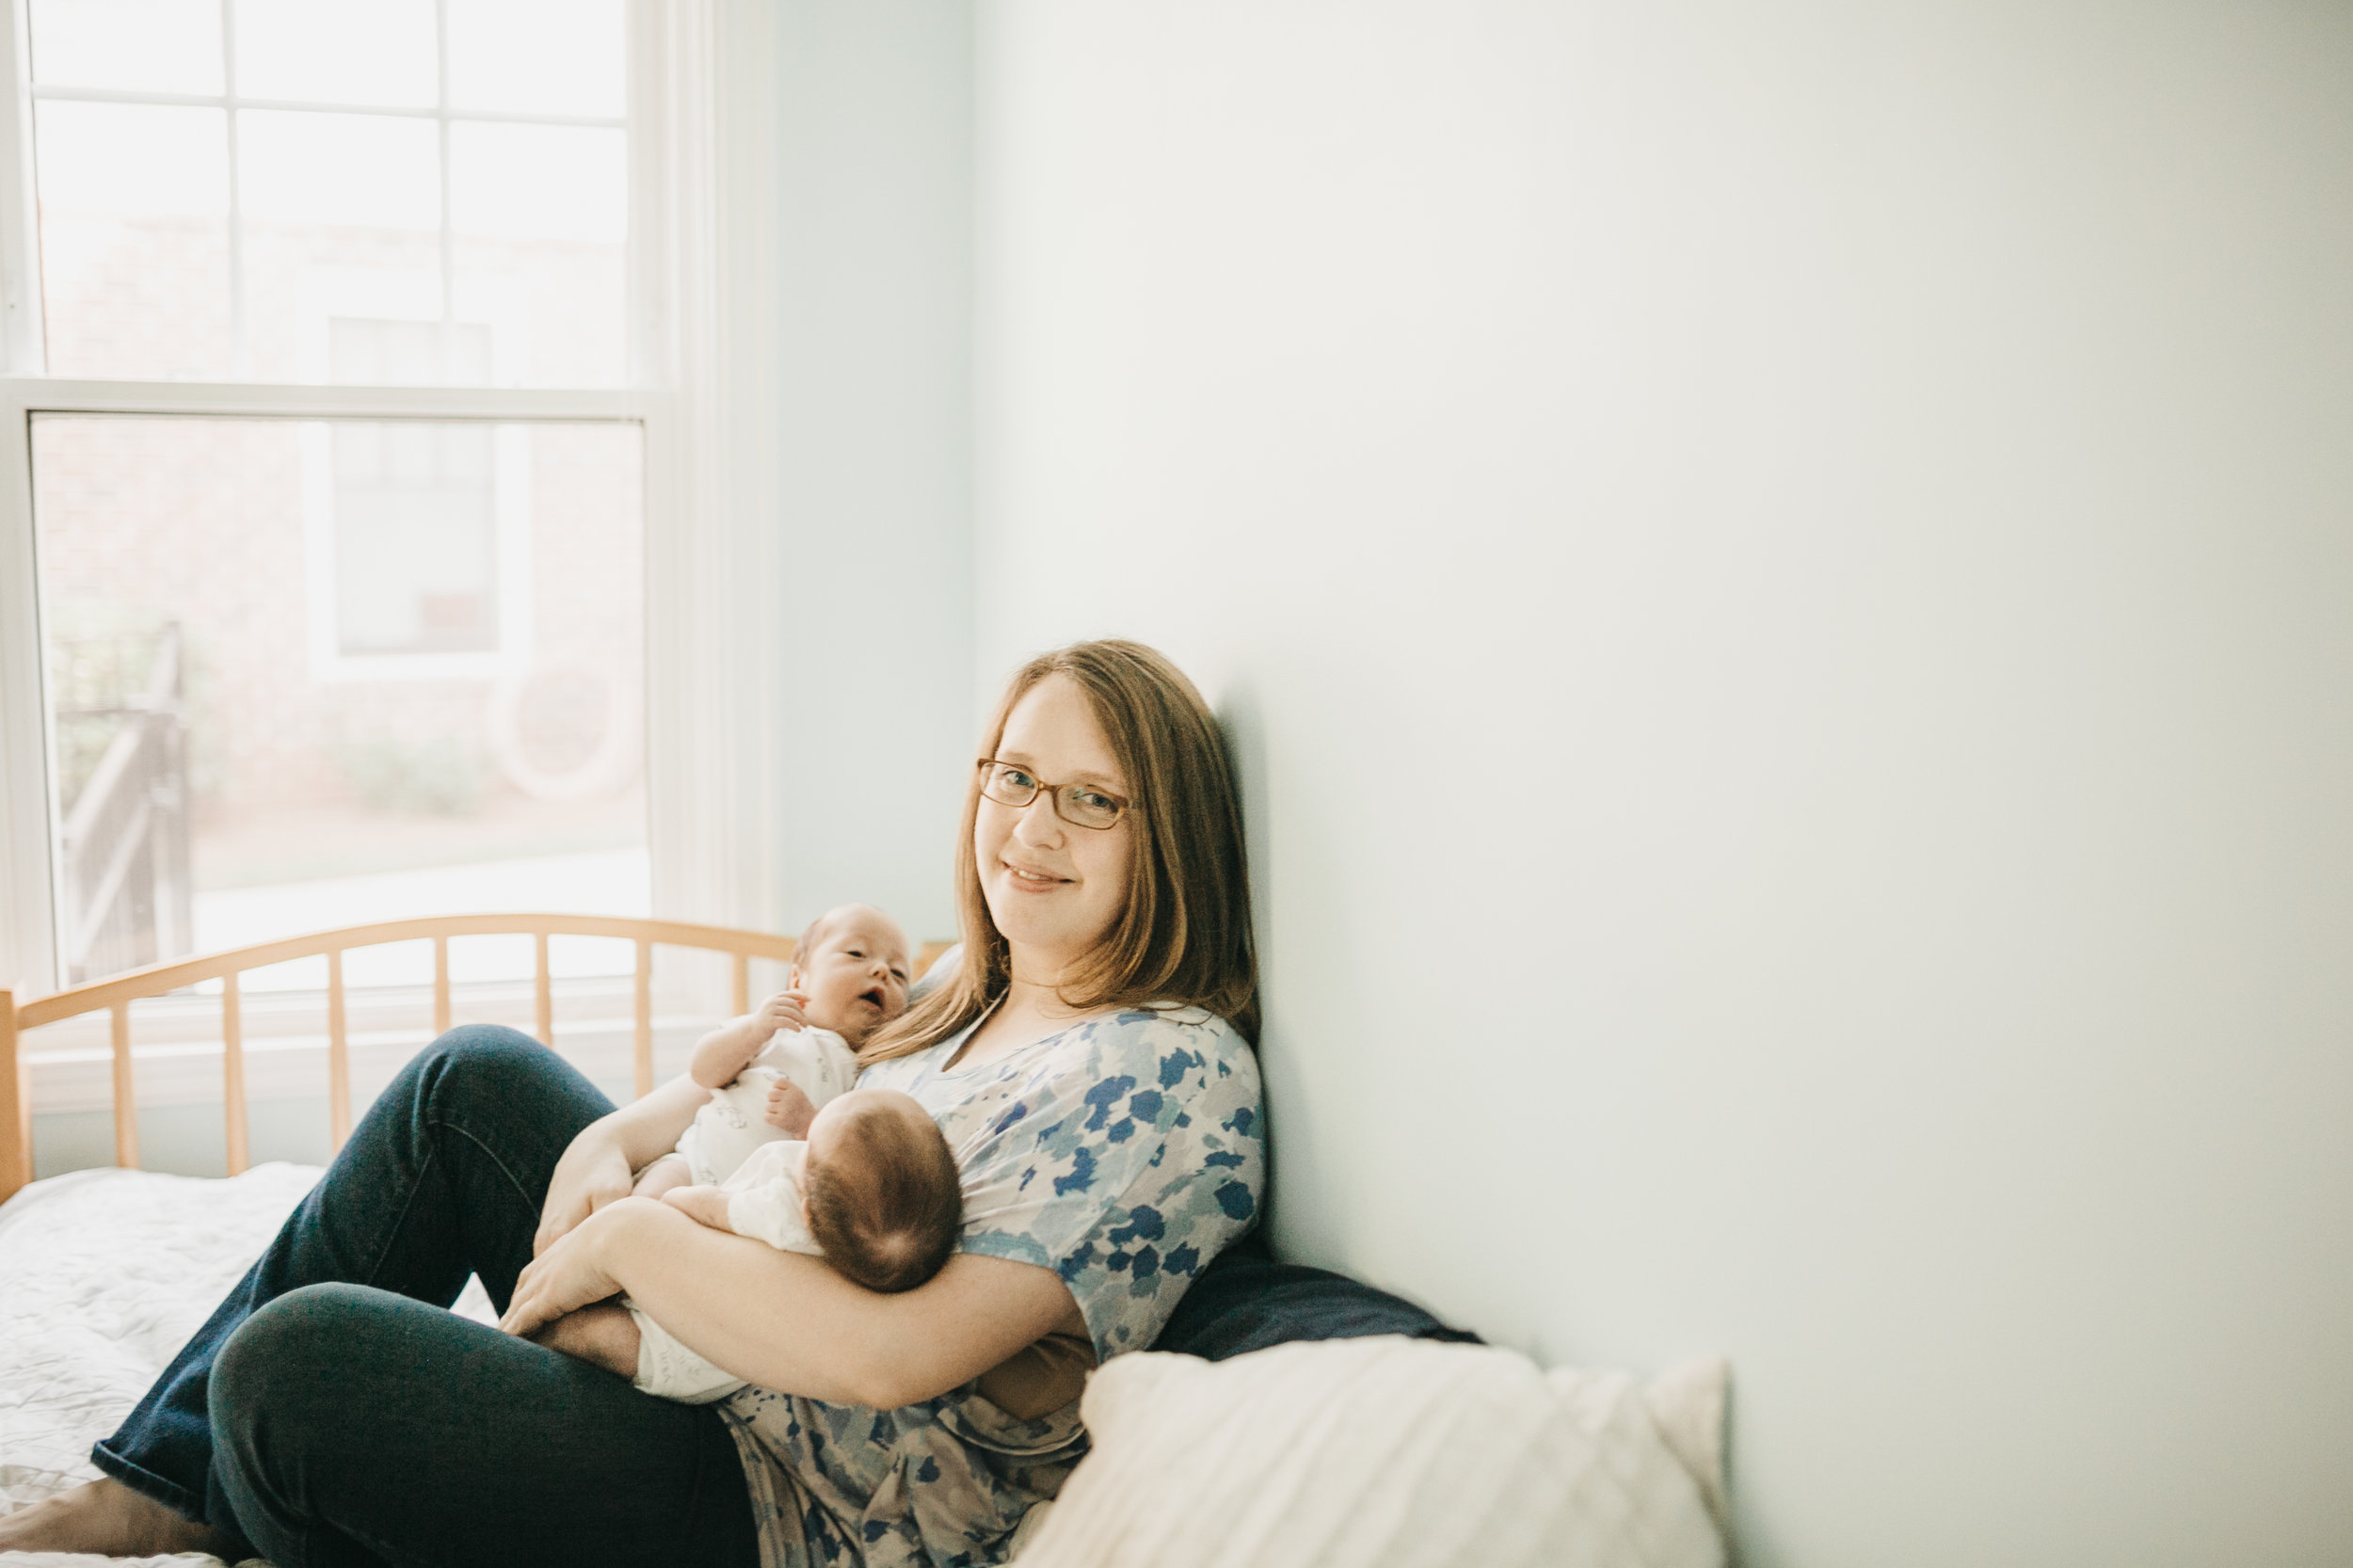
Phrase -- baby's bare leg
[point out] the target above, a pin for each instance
(658, 1177)
(705, 1205)
(603, 1334)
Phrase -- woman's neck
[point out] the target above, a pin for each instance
(1035, 978)
(1031, 1009)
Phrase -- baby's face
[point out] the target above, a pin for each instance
(854, 978)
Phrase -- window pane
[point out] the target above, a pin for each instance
(357, 170)
(313, 674)
(537, 57)
(161, 45)
(378, 52)
(134, 239)
(162, 260)
(542, 213)
(341, 220)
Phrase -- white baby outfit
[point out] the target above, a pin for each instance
(735, 1122)
(731, 1146)
(763, 1201)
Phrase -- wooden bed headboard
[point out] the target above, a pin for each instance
(115, 995)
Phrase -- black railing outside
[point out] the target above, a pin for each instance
(127, 898)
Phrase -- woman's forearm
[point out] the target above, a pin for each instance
(649, 1127)
(786, 1321)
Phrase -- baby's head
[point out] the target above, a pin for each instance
(880, 1189)
(851, 970)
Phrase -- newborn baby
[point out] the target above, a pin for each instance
(788, 1153)
(769, 1072)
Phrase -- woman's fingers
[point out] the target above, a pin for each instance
(590, 1174)
(554, 1223)
(561, 1279)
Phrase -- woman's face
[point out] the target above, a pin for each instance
(1053, 889)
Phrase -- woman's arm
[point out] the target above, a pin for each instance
(598, 1166)
(786, 1321)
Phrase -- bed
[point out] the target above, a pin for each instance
(1266, 1436)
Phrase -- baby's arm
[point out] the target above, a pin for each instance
(665, 1174)
(722, 1055)
(704, 1205)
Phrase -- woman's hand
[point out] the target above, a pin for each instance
(593, 1172)
(570, 1273)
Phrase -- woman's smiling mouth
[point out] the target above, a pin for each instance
(1023, 876)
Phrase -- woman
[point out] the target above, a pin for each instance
(1089, 1062)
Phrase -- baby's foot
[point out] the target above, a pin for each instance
(108, 1519)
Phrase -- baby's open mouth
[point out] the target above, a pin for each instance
(872, 994)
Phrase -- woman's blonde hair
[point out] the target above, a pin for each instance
(1183, 935)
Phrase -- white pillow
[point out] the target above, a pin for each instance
(1389, 1452)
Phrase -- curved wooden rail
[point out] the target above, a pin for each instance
(117, 994)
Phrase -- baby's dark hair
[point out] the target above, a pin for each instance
(887, 1206)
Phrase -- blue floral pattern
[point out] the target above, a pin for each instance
(1124, 1154)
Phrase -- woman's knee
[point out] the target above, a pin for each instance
(489, 1064)
(489, 1052)
(295, 1349)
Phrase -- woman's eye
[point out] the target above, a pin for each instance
(1095, 800)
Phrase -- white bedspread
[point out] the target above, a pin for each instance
(104, 1274)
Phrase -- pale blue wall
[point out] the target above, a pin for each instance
(1781, 575)
(873, 451)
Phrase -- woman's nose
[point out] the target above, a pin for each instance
(1038, 825)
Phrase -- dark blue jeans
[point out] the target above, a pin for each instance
(333, 1411)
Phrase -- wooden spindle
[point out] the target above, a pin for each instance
(547, 991)
(338, 1052)
(644, 1017)
(232, 1071)
(440, 987)
(16, 1106)
(743, 984)
(126, 1109)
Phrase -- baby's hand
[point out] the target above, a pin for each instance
(781, 1011)
(790, 1108)
(704, 1205)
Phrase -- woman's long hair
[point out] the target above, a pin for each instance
(1183, 936)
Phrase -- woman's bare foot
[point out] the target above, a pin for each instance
(106, 1517)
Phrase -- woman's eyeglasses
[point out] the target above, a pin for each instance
(1079, 805)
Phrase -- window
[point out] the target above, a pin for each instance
(205, 171)
(354, 347)
(364, 469)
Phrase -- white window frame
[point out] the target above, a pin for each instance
(702, 246)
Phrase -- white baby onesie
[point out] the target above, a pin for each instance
(735, 1122)
(763, 1201)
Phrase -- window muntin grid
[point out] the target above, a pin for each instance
(501, 161)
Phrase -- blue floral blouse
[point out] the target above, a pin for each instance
(1122, 1154)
